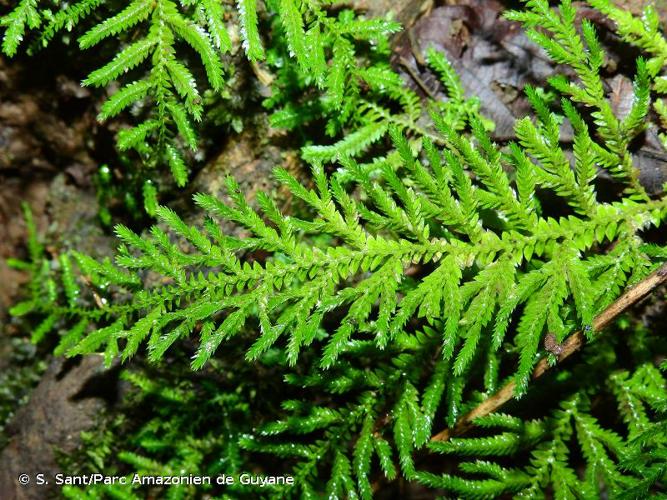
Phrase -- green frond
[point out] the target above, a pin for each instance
(200, 41)
(249, 30)
(426, 268)
(136, 12)
(217, 28)
(128, 58)
(177, 165)
(635, 122)
(124, 98)
(446, 73)
(350, 146)
(67, 19)
(322, 46)
(293, 26)
(25, 14)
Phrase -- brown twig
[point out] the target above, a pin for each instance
(415, 76)
(569, 347)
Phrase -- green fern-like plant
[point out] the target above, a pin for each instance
(373, 119)
(645, 33)
(152, 34)
(612, 455)
(479, 231)
(410, 288)
(555, 31)
(482, 268)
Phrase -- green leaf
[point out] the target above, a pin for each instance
(293, 26)
(137, 11)
(177, 165)
(124, 98)
(249, 30)
(199, 40)
(128, 58)
(24, 14)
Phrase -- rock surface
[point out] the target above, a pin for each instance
(67, 400)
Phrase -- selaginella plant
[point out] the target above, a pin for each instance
(400, 294)
(157, 75)
(644, 32)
